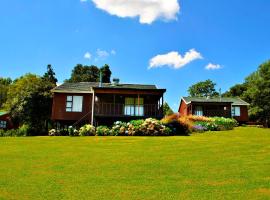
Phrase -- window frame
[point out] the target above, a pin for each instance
(133, 109)
(70, 100)
(3, 124)
(234, 111)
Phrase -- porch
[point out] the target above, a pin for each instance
(211, 110)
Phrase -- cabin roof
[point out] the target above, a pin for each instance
(88, 87)
(236, 101)
(2, 113)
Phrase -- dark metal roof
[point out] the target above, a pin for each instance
(88, 87)
(233, 100)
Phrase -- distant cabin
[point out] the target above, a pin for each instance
(5, 121)
(103, 104)
(211, 107)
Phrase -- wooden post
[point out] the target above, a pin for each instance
(93, 105)
(162, 104)
(138, 105)
(114, 107)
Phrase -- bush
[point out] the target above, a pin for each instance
(153, 127)
(208, 126)
(72, 131)
(53, 132)
(119, 129)
(102, 131)
(24, 130)
(134, 127)
(199, 128)
(87, 130)
(225, 123)
(178, 126)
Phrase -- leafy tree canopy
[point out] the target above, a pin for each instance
(167, 109)
(236, 91)
(203, 89)
(50, 75)
(4, 86)
(29, 101)
(85, 73)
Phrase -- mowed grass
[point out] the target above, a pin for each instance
(221, 165)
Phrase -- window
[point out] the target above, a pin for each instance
(133, 107)
(74, 103)
(3, 124)
(236, 111)
(198, 111)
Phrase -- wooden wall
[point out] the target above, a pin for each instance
(59, 107)
(244, 114)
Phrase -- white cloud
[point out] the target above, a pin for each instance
(113, 52)
(102, 53)
(174, 59)
(148, 11)
(211, 66)
(87, 55)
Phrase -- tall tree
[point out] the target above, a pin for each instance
(4, 86)
(85, 73)
(237, 90)
(167, 109)
(29, 101)
(258, 93)
(106, 73)
(50, 75)
(203, 89)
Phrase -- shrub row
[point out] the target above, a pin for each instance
(169, 126)
(24, 130)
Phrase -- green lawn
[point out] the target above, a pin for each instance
(222, 165)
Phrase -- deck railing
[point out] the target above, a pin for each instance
(217, 113)
(116, 109)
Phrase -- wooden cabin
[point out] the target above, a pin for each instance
(215, 107)
(5, 121)
(103, 104)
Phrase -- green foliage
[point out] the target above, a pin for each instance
(225, 123)
(167, 109)
(102, 131)
(203, 89)
(258, 93)
(106, 73)
(30, 101)
(4, 87)
(85, 73)
(208, 126)
(134, 127)
(119, 129)
(177, 126)
(22, 131)
(236, 91)
(87, 130)
(153, 127)
(50, 75)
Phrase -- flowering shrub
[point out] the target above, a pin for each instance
(87, 130)
(199, 128)
(225, 123)
(153, 127)
(208, 126)
(178, 126)
(134, 127)
(53, 132)
(102, 131)
(72, 131)
(119, 129)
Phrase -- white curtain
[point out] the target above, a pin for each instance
(77, 103)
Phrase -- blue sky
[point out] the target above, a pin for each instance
(232, 35)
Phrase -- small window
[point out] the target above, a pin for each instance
(236, 112)
(134, 107)
(198, 111)
(3, 124)
(74, 104)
